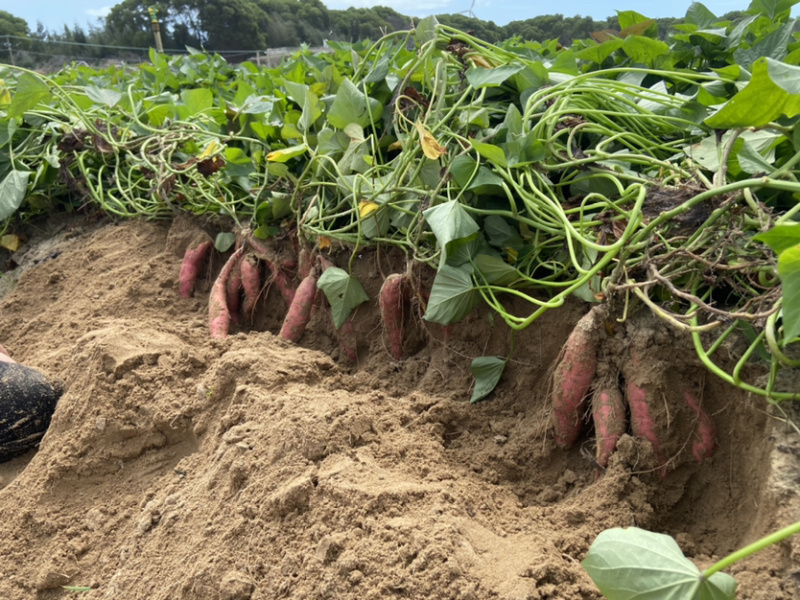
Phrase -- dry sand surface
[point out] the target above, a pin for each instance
(177, 466)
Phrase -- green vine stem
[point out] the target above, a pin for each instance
(764, 542)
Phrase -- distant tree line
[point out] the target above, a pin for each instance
(226, 25)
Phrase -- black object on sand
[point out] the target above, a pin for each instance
(27, 402)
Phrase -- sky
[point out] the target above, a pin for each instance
(54, 14)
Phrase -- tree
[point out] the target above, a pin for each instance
(12, 26)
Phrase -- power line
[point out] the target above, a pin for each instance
(137, 48)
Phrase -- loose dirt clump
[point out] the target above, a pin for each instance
(177, 466)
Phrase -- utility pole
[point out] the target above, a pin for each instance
(156, 28)
(10, 50)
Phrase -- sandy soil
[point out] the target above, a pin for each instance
(248, 468)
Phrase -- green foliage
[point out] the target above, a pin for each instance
(525, 171)
(632, 563)
(343, 291)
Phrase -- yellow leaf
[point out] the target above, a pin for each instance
(367, 208)
(398, 145)
(212, 148)
(5, 95)
(285, 154)
(430, 147)
(324, 242)
(10, 242)
(512, 255)
(478, 61)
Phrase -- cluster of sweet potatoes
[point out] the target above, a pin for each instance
(626, 389)
(240, 283)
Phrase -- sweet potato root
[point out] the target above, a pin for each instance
(573, 376)
(392, 300)
(219, 317)
(233, 290)
(192, 266)
(294, 325)
(608, 413)
(251, 284)
(703, 443)
(638, 400)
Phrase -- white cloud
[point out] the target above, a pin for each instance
(98, 12)
(406, 7)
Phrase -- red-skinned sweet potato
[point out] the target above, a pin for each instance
(703, 443)
(294, 325)
(251, 285)
(192, 266)
(219, 317)
(573, 376)
(233, 290)
(392, 300)
(608, 414)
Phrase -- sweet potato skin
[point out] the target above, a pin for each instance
(219, 316)
(608, 414)
(251, 285)
(572, 379)
(392, 299)
(192, 266)
(233, 290)
(703, 444)
(294, 325)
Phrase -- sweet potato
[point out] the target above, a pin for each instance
(608, 414)
(347, 340)
(573, 376)
(251, 284)
(278, 270)
(192, 266)
(392, 300)
(233, 290)
(703, 443)
(219, 317)
(294, 325)
(284, 283)
(642, 423)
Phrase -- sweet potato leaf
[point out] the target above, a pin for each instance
(487, 371)
(789, 271)
(351, 105)
(343, 291)
(449, 222)
(452, 295)
(30, 91)
(634, 564)
(12, 192)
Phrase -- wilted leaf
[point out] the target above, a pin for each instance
(285, 154)
(487, 371)
(366, 208)
(10, 242)
(430, 147)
